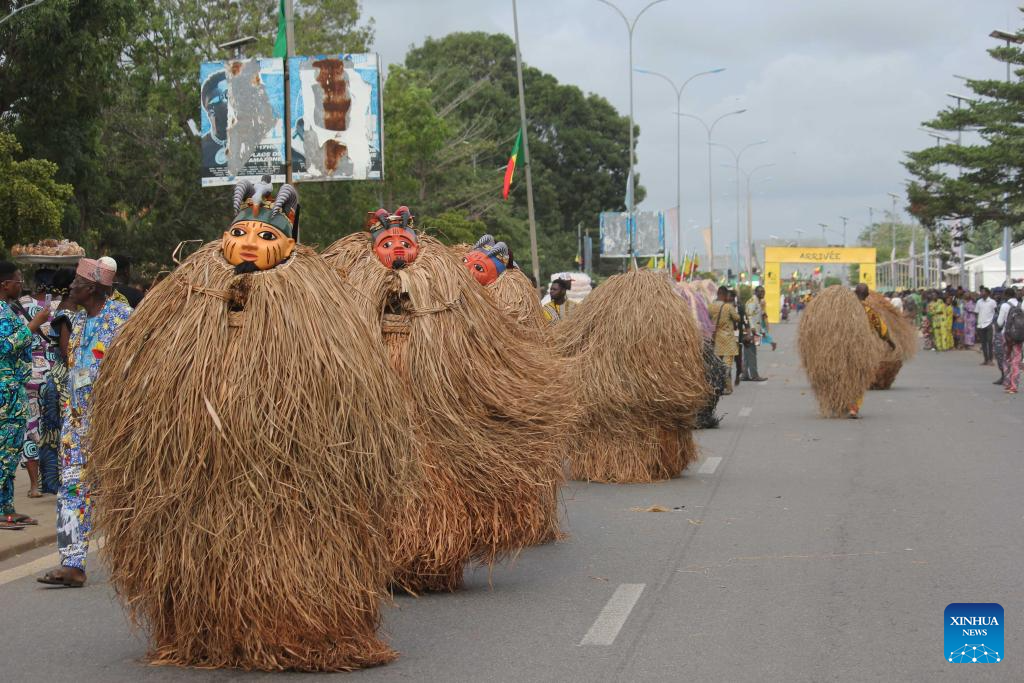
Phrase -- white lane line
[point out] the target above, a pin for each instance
(49, 561)
(745, 411)
(611, 619)
(709, 466)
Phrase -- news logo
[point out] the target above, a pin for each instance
(973, 633)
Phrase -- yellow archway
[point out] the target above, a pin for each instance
(774, 257)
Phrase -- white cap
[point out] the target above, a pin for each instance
(109, 262)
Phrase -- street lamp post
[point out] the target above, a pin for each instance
(711, 196)
(737, 156)
(892, 261)
(630, 178)
(750, 213)
(844, 219)
(679, 99)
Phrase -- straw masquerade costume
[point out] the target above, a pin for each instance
(492, 265)
(903, 334)
(716, 373)
(243, 463)
(641, 404)
(840, 350)
(478, 388)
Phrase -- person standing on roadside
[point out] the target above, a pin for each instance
(985, 314)
(755, 328)
(725, 317)
(92, 331)
(15, 371)
(1011, 322)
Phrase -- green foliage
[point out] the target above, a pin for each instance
(33, 201)
(978, 183)
(832, 280)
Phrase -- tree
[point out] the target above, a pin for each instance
(33, 201)
(879, 235)
(977, 184)
(578, 143)
(58, 63)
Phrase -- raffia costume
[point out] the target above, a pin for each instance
(480, 392)
(246, 457)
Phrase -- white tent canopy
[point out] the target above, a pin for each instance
(989, 270)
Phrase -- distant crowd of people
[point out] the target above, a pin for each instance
(955, 319)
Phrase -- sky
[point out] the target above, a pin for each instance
(838, 88)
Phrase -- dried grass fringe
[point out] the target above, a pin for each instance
(903, 335)
(838, 349)
(639, 375)
(244, 465)
(489, 413)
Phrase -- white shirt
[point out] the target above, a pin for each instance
(897, 303)
(1004, 310)
(986, 310)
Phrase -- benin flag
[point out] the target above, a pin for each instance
(511, 168)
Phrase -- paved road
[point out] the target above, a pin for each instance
(813, 550)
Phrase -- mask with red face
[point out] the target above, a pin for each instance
(487, 260)
(394, 237)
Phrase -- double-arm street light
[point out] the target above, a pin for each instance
(711, 196)
(679, 99)
(630, 178)
(750, 212)
(737, 156)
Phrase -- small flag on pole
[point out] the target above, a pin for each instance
(511, 168)
(281, 44)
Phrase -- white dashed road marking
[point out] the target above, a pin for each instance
(709, 466)
(613, 616)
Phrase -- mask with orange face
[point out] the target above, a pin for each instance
(394, 237)
(260, 237)
(487, 260)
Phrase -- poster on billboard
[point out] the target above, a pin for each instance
(650, 233)
(337, 126)
(614, 234)
(242, 127)
(647, 228)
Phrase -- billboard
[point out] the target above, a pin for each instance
(337, 124)
(242, 120)
(335, 127)
(647, 229)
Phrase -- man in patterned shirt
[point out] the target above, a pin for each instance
(92, 330)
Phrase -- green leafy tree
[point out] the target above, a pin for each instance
(979, 183)
(33, 201)
(59, 61)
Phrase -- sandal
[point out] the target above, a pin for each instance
(16, 518)
(10, 526)
(61, 577)
(35, 493)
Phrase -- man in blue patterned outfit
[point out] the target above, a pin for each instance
(15, 370)
(92, 331)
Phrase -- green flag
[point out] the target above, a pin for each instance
(281, 44)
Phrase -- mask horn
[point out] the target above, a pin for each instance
(485, 241)
(287, 200)
(406, 215)
(243, 190)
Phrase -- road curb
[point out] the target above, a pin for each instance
(26, 545)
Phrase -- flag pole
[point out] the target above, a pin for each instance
(526, 151)
(289, 34)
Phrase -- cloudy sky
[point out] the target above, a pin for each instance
(837, 87)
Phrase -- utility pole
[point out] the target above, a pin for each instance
(534, 257)
(289, 33)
